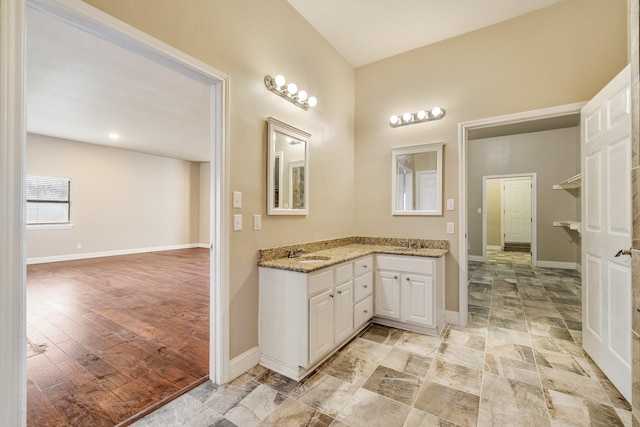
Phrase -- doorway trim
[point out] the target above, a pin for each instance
(534, 213)
(463, 143)
(13, 388)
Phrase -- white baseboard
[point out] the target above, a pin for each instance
(476, 258)
(242, 363)
(452, 317)
(494, 248)
(87, 255)
(557, 264)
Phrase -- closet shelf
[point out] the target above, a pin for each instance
(571, 225)
(569, 184)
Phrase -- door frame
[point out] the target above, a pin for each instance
(13, 388)
(463, 143)
(534, 204)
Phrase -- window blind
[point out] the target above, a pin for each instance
(47, 200)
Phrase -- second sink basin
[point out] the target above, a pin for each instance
(314, 258)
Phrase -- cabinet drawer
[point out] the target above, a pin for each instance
(362, 266)
(409, 264)
(363, 286)
(320, 281)
(362, 312)
(344, 273)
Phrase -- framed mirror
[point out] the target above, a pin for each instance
(416, 179)
(287, 169)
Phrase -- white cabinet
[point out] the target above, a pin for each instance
(410, 293)
(306, 317)
(388, 294)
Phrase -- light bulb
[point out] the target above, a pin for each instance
(406, 117)
(312, 101)
(292, 88)
(302, 95)
(436, 111)
(421, 114)
(279, 80)
(393, 119)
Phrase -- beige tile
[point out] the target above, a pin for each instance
(293, 413)
(456, 376)
(407, 362)
(257, 406)
(464, 339)
(394, 384)
(461, 355)
(448, 403)
(513, 369)
(367, 409)
(420, 344)
(566, 409)
(573, 384)
(325, 393)
(418, 418)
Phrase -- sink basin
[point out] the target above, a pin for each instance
(314, 258)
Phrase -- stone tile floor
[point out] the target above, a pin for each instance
(518, 362)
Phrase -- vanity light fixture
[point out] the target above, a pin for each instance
(289, 91)
(436, 113)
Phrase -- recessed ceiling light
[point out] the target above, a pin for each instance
(114, 136)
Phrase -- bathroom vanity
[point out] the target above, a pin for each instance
(313, 304)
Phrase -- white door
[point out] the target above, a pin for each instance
(427, 190)
(418, 299)
(344, 311)
(387, 293)
(517, 210)
(320, 325)
(606, 210)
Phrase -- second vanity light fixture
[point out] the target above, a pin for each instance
(289, 91)
(436, 113)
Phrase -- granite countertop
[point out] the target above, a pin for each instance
(346, 253)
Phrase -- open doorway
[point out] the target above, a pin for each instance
(209, 240)
(509, 220)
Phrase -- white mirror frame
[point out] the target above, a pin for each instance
(414, 149)
(274, 125)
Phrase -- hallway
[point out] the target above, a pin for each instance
(517, 363)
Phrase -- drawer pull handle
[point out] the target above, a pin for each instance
(395, 277)
(365, 286)
(364, 266)
(366, 311)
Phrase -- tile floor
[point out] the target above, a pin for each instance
(517, 363)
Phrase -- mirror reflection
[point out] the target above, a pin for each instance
(417, 180)
(288, 179)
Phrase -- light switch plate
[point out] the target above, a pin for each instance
(257, 222)
(450, 205)
(450, 228)
(237, 199)
(237, 222)
(479, 210)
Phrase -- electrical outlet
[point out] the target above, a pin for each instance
(237, 222)
(450, 228)
(479, 210)
(237, 199)
(257, 222)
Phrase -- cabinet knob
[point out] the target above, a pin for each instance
(339, 292)
(364, 266)
(366, 311)
(395, 277)
(331, 295)
(408, 280)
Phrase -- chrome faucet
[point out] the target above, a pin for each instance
(295, 253)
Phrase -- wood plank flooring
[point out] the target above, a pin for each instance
(109, 337)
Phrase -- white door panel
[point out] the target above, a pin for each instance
(606, 169)
(517, 210)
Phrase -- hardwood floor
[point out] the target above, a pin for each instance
(109, 337)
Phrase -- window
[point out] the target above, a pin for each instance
(47, 200)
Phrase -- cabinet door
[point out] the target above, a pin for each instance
(320, 325)
(387, 292)
(418, 299)
(362, 312)
(343, 311)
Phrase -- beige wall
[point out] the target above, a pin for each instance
(120, 200)
(248, 39)
(551, 156)
(557, 55)
(494, 212)
(204, 230)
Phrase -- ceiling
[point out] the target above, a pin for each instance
(80, 87)
(364, 31)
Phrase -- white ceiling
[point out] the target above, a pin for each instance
(364, 31)
(82, 88)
